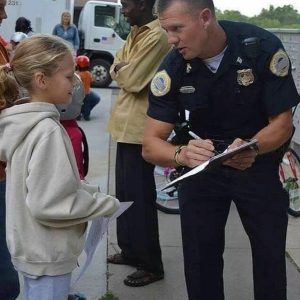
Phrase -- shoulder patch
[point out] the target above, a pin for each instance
(160, 84)
(280, 63)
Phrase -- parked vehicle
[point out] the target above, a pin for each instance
(103, 30)
(102, 27)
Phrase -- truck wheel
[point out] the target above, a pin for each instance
(100, 72)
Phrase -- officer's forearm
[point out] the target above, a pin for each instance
(159, 152)
(274, 135)
(156, 149)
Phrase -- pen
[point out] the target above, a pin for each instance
(194, 135)
(197, 137)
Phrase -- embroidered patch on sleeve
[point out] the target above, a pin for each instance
(280, 63)
(161, 84)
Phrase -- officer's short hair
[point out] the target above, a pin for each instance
(162, 5)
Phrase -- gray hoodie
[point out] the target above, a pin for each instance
(47, 206)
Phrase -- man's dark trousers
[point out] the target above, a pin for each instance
(137, 228)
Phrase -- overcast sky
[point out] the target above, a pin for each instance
(253, 7)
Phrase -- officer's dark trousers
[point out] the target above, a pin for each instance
(137, 228)
(262, 205)
(9, 281)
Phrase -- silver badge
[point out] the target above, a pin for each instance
(187, 90)
(245, 77)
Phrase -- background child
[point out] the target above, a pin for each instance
(47, 204)
(68, 115)
(91, 98)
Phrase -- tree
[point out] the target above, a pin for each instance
(233, 15)
(279, 17)
(286, 14)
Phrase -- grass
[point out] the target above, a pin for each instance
(109, 296)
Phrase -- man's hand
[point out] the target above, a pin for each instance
(197, 152)
(242, 160)
(120, 65)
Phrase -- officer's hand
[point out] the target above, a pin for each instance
(197, 152)
(242, 160)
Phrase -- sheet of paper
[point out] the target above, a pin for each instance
(96, 232)
(194, 171)
(214, 161)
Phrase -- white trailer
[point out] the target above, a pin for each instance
(43, 14)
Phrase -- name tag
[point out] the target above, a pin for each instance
(187, 90)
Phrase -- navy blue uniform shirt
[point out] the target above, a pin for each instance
(238, 99)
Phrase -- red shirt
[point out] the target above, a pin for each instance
(75, 135)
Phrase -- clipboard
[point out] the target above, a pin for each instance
(214, 162)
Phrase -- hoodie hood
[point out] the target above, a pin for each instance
(17, 121)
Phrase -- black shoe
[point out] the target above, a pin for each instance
(142, 277)
(87, 118)
(119, 259)
(79, 118)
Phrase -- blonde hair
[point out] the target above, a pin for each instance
(37, 53)
(62, 17)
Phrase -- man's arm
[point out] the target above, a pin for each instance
(278, 131)
(158, 151)
(134, 75)
(270, 138)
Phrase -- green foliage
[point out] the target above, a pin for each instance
(109, 296)
(279, 17)
(234, 15)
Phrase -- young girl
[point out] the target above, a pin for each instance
(47, 204)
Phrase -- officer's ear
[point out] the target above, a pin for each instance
(205, 17)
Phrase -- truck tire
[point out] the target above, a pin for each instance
(100, 72)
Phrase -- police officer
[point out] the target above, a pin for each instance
(235, 80)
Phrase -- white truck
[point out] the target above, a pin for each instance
(102, 28)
